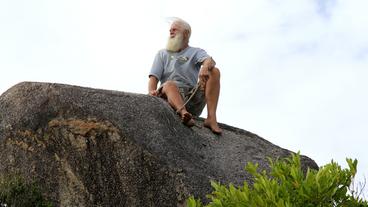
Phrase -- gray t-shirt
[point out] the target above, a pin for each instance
(181, 67)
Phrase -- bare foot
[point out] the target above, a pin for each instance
(187, 119)
(213, 126)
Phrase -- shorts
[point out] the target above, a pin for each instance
(196, 104)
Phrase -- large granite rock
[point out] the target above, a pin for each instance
(91, 147)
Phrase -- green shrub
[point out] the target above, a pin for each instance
(15, 191)
(287, 186)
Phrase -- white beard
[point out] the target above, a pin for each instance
(175, 44)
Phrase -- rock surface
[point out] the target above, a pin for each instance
(92, 147)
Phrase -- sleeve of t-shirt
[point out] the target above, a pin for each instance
(157, 66)
(201, 55)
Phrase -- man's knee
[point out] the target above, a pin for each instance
(215, 72)
(169, 85)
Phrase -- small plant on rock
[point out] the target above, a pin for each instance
(287, 186)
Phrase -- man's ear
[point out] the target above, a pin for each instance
(186, 35)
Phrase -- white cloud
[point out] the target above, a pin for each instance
(292, 71)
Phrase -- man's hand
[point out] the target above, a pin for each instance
(153, 93)
(204, 75)
(204, 72)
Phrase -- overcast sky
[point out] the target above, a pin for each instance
(293, 71)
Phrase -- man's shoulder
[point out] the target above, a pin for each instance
(191, 49)
(194, 48)
(162, 51)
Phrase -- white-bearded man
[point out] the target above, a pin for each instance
(178, 68)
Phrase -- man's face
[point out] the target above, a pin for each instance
(176, 38)
(175, 29)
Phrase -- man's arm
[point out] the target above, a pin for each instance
(152, 85)
(207, 66)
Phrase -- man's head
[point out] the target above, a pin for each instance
(180, 32)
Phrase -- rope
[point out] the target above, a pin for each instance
(190, 97)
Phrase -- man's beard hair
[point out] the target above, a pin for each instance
(176, 43)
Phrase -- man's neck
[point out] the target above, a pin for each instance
(183, 48)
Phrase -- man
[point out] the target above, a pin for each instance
(179, 67)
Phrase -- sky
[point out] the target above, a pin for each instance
(292, 71)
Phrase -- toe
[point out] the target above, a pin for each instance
(214, 127)
(187, 119)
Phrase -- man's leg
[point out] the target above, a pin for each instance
(212, 95)
(171, 91)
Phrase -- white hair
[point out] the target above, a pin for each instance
(182, 23)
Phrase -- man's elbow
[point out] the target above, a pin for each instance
(153, 78)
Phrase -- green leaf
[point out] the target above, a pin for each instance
(285, 185)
